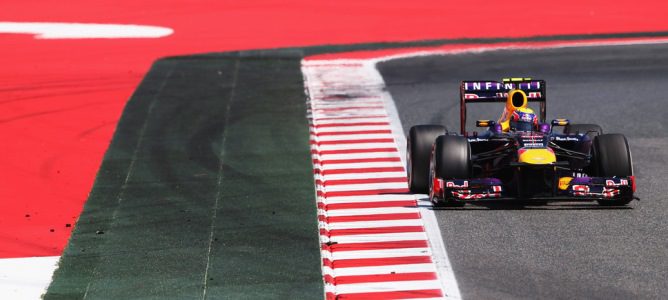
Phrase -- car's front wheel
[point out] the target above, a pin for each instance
(611, 156)
(419, 144)
(450, 159)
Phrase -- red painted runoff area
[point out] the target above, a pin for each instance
(60, 99)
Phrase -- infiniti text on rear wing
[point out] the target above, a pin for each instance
(485, 91)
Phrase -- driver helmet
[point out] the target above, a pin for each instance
(523, 119)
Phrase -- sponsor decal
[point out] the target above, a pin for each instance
(455, 184)
(531, 95)
(467, 195)
(580, 190)
(498, 86)
(564, 182)
(616, 182)
(566, 139)
(526, 117)
(610, 192)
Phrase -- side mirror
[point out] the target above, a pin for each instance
(560, 122)
(484, 123)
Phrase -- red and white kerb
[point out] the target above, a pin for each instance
(373, 241)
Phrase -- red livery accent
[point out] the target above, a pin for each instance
(451, 184)
(438, 186)
(580, 190)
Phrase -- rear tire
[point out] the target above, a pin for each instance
(612, 157)
(451, 159)
(591, 130)
(419, 145)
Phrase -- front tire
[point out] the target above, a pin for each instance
(419, 146)
(450, 159)
(612, 157)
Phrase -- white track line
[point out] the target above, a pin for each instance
(26, 278)
(439, 252)
(58, 30)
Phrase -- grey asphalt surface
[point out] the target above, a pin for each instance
(567, 250)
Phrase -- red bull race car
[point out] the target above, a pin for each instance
(519, 156)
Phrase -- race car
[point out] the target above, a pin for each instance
(519, 156)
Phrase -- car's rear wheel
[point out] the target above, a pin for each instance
(611, 156)
(419, 144)
(451, 159)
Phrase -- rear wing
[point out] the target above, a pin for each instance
(486, 91)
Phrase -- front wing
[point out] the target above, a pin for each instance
(575, 189)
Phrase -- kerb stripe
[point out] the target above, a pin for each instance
(385, 277)
(374, 244)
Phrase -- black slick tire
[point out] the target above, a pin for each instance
(419, 145)
(612, 157)
(450, 159)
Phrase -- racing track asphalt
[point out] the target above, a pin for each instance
(566, 250)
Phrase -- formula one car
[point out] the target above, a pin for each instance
(518, 157)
